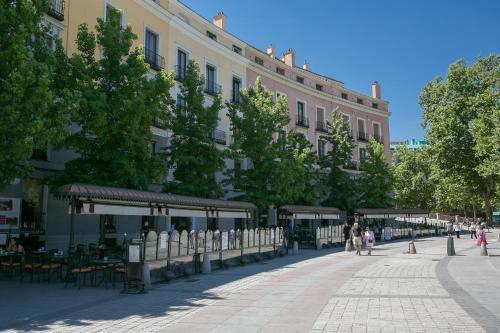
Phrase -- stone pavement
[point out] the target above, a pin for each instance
(316, 291)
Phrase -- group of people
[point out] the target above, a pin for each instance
(477, 230)
(12, 246)
(356, 236)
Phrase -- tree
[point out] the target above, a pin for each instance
(340, 187)
(298, 179)
(413, 186)
(257, 124)
(461, 118)
(114, 106)
(31, 115)
(192, 153)
(375, 183)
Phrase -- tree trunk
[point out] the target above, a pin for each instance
(474, 212)
(487, 199)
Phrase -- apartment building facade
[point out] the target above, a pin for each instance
(172, 34)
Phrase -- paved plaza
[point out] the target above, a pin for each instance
(315, 291)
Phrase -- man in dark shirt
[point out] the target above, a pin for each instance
(347, 231)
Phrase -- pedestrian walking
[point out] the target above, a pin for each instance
(456, 229)
(347, 231)
(481, 236)
(449, 228)
(357, 237)
(472, 230)
(370, 239)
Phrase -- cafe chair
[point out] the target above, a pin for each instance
(32, 265)
(50, 266)
(79, 269)
(12, 264)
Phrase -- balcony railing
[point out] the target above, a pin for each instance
(379, 138)
(219, 137)
(362, 136)
(157, 122)
(56, 9)
(212, 88)
(155, 60)
(303, 122)
(321, 126)
(180, 73)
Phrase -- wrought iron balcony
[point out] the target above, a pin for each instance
(362, 136)
(302, 121)
(155, 60)
(219, 137)
(56, 9)
(321, 126)
(379, 138)
(180, 73)
(212, 88)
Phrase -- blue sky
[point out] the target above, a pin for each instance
(401, 43)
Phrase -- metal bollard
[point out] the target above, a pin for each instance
(411, 248)
(207, 266)
(318, 244)
(450, 246)
(295, 247)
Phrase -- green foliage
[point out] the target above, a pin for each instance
(340, 187)
(257, 124)
(297, 180)
(113, 108)
(375, 183)
(192, 153)
(413, 186)
(461, 117)
(31, 115)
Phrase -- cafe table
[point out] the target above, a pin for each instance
(107, 266)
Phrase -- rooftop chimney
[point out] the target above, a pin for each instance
(305, 65)
(289, 58)
(270, 50)
(220, 20)
(376, 90)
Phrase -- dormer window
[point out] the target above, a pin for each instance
(343, 95)
(375, 105)
(211, 35)
(300, 79)
(280, 70)
(319, 87)
(359, 100)
(237, 49)
(259, 61)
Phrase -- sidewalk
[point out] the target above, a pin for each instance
(316, 291)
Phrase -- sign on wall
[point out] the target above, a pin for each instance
(10, 212)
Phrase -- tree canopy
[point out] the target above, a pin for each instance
(32, 115)
(192, 154)
(116, 100)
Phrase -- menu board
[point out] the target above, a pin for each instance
(10, 211)
(134, 253)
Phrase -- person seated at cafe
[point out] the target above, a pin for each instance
(14, 247)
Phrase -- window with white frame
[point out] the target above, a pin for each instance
(321, 148)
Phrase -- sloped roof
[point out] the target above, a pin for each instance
(123, 194)
(310, 209)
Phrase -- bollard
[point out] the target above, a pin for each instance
(411, 248)
(484, 250)
(498, 239)
(450, 247)
(295, 247)
(146, 276)
(206, 268)
(348, 247)
(318, 244)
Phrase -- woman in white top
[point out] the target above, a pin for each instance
(370, 240)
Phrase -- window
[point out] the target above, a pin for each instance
(280, 70)
(320, 119)
(235, 94)
(148, 224)
(361, 130)
(362, 154)
(321, 148)
(319, 87)
(375, 105)
(343, 95)
(300, 79)
(301, 116)
(180, 71)
(151, 50)
(180, 100)
(237, 49)
(359, 100)
(211, 35)
(210, 80)
(259, 61)
(152, 147)
(109, 8)
(376, 132)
